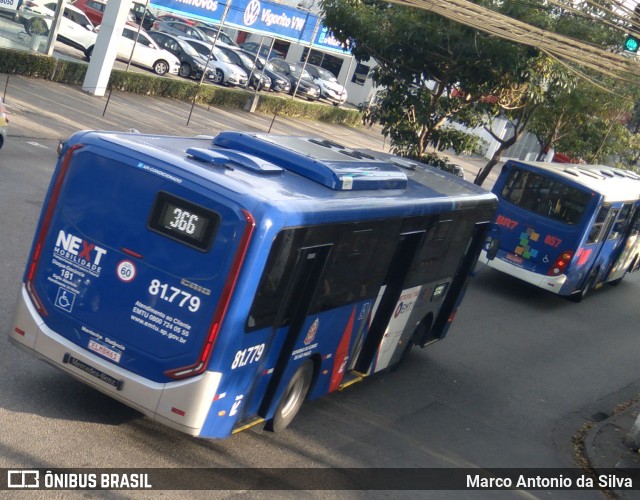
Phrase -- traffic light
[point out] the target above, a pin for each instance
(632, 44)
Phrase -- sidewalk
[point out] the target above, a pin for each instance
(607, 450)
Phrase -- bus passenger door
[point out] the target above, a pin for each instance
(293, 310)
(610, 239)
(628, 251)
(383, 333)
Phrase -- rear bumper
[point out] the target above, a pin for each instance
(551, 283)
(182, 405)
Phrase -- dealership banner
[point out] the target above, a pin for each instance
(258, 16)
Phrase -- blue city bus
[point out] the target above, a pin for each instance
(215, 283)
(565, 228)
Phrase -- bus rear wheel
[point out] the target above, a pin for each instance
(578, 296)
(292, 398)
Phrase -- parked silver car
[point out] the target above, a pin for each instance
(181, 29)
(226, 73)
(215, 33)
(330, 88)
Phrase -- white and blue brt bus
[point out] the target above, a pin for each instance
(565, 228)
(214, 283)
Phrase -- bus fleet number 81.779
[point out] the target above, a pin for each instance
(171, 294)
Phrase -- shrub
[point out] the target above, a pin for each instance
(18, 62)
(69, 72)
(73, 73)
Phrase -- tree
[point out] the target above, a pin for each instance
(435, 72)
(431, 70)
(587, 122)
(543, 79)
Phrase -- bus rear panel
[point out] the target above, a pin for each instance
(214, 284)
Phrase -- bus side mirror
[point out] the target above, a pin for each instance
(492, 248)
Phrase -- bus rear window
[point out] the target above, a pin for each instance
(545, 196)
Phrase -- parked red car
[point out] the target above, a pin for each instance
(93, 9)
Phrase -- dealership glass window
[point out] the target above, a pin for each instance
(324, 60)
(280, 46)
(360, 74)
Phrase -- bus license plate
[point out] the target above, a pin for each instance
(104, 351)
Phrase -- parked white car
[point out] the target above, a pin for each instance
(225, 72)
(147, 53)
(330, 88)
(75, 29)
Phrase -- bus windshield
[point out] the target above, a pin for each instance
(543, 195)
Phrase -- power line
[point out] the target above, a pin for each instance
(590, 17)
(560, 46)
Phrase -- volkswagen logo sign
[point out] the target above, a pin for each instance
(251, 12)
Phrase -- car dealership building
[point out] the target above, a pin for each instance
(294, 30)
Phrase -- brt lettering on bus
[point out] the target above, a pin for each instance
(503, 221)
(552, 241)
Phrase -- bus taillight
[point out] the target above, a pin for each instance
(44, 229)
(561, 264)
(201, 363)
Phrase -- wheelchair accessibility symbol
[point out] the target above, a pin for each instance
(65, 300)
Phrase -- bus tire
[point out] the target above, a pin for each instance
(578, 296)
(292, 398)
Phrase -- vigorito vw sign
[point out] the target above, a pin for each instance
(269, 17)
(259, 16)
(252, 12)
(264, 17)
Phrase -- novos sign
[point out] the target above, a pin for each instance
(258, 16)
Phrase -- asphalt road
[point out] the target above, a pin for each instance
(520, 371)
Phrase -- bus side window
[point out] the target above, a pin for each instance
(595, 233)
(357, 265)
(635, 228)
(273, 283)
(621, 222)
(440, 255)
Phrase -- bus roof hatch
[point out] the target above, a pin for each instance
(326, 162)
